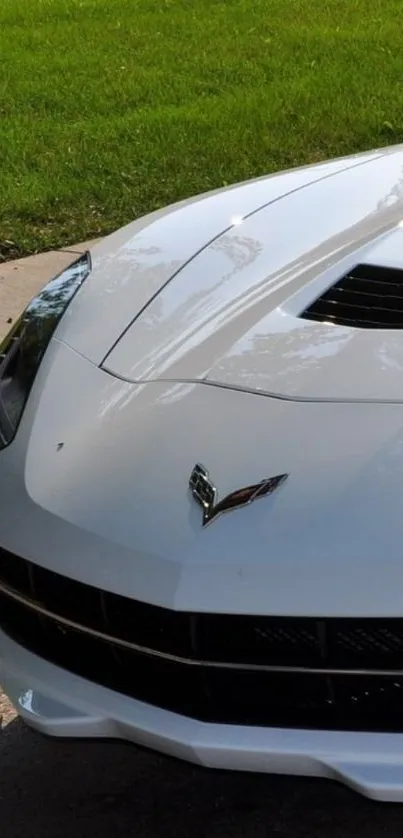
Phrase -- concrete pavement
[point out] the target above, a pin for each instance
(21, 279)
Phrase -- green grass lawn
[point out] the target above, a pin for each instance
(111, 108)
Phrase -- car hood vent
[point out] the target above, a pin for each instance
(368, 297)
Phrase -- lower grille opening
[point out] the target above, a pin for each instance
(230, 669)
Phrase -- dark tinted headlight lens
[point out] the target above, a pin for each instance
(24, 347)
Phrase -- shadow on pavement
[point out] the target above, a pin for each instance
(75, 789)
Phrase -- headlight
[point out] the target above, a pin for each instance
(24, 347)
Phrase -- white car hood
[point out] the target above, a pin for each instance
(137, 261)
(105, 495)
(230, 316)
(133, 264)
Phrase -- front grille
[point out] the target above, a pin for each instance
(368, 297)
(344, 674)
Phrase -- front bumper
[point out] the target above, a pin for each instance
(60, 704)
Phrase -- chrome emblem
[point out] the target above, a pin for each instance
(205, 493)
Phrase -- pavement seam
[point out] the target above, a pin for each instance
(69, 250)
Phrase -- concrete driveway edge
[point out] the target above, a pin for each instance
(21, 279)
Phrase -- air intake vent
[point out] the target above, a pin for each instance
(368, 297)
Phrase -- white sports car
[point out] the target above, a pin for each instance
(201, 494)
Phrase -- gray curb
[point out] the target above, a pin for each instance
(21, 279)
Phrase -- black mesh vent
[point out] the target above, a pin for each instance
(344, 674)
(368, 297)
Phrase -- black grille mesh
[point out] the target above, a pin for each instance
(349, 700)
(368, 297)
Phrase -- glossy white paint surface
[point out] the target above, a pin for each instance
(112, 507)
(134, 263)
(232, 314)
(218, 368)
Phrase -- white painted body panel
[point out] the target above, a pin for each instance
(206, 360)
(134, 264)
(232, 315)
(113, 509)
